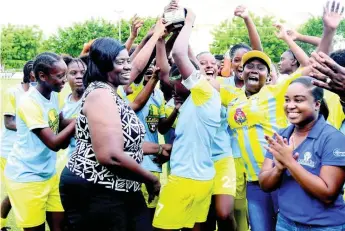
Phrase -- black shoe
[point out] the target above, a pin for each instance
(5, 229)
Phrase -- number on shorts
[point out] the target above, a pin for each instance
(226, 181)
(159, 209)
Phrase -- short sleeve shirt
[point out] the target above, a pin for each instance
(31, 160)
(197, 125)
(324, 146)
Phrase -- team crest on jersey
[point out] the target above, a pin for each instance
(153, 118)
(240, 117)
(53, 120)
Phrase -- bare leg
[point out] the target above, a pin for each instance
(55, 221)
(225, 212)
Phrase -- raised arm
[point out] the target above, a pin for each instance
(142, 59)
(300, 55)
(226, 71)
(332, 16)
(254, 37)
(180, 49)
(144, 95)
(294, 35)
(162, 62)
(135, 27)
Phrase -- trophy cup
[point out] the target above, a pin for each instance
(175, 19)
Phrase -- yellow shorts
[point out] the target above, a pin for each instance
(225, 178)
(240, 179)
(31, 201)
(182, 203)
(153, 203)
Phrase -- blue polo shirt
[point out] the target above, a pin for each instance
(324, 146)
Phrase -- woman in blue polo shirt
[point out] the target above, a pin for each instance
(305, 162)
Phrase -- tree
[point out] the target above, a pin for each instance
(19, 44)
(231, 32)
(70, 40)
(314, 27)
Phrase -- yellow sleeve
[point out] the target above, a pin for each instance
(32, 114)
(136, 88)
(284, 84)
(336, 114)
(228, 93)
(9, 103)
(162, 110)
(201, 92)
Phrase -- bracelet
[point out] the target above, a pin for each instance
(160, 150)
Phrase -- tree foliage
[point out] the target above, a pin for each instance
(314, 27)
(231, 32)
(70, 40)
(19, 44)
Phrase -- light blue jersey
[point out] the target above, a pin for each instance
(70, 111)
(11, 100)
(197, 125)
(221, 146)
(30, 159)
(149, 115)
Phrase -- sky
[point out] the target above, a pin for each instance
(50, 15)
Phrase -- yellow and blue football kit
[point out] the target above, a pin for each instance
(186, 198)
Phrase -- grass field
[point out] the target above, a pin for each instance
(5, 84)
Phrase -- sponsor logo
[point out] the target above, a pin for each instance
(338, 153)
(306, 160)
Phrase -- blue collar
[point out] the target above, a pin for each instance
(313, 134)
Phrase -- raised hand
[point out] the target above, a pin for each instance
(328, 74)
(160, 27)
(282, 32)
(137, 23)
(173, 5)
(332, 14)
(293, 34)
(242, 11)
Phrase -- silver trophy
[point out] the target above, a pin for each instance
(175, 19)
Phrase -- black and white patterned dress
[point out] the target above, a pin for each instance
(83, 161)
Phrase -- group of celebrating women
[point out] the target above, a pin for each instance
(244, 144)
